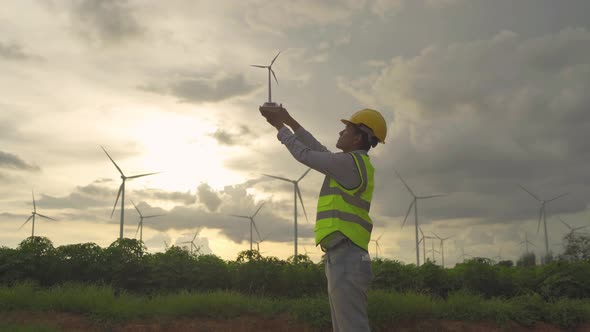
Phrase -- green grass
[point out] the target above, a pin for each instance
(101, 303)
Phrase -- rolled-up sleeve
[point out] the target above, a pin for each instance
(340, 166)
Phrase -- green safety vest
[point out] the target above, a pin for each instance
(347, 210)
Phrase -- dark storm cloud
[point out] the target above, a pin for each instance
(105, 21)
(476, 119)
(199, 89)
(208, 197)
(12, 161)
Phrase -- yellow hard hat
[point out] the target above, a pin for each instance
(371, 119)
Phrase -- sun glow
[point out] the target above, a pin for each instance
(182, 149)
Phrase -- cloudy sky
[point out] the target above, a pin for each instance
(480, 97)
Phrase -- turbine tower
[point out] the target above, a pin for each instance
(543, 215)
(252, 223)
(423, 240)
(269, 67)
(442, 247)
(122, 192)
(415, 205)
(296, 192)
(377, 246)
(141, 218)
(572, 229)
(260, 240)
(33, 214)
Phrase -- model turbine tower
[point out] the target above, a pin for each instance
(270, 104)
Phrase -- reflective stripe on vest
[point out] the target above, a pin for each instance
(347, 210)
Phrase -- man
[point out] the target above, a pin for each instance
(343, 226)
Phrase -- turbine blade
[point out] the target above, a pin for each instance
(405, 184)
(196, 233)
(530, 193)
(566, 224)
(138, 226)
(259, 66)
(23, 225)
(540, 215)
(301, 200)
(379, 238)
(408, 213)
(273, 60)
(117, 200)
(260, 207)
(304, 174)
(132, 202)
(255, 228)
(273, 75)
(431, 196)
(46, 217)
(138, 176)
(114, 163)
(235, 215)
(153, 216)
(557, 197)
(420, 229)
(34, 204)
(278, 177)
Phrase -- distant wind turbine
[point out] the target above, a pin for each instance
(526, 242)
(543, 214)
(269, 67)
(296, 192)
(423, 240)
(442, 246)
(463, 254)
(415, 205)
(192, 242)
(122, 191)
(33, 214)
(260, 240)
(377, 246)
(252, 223)
(572, 229)
(141, 218)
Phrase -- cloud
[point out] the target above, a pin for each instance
(104, 21)
(241, 136)
(474, 119)
(208, 197)
(15, 51)
(12, 161)
(194, 89)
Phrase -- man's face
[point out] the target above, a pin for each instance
(348, 138)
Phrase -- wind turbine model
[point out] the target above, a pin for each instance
(252, 223)
(33, 214)
(572, 229)
(377, 246)
(192, 242)
(442, 247)
(296, 192)
(526, 242)
(415, 205)
(141, 218)
(122, 190)
(270, 103)
(543, 214)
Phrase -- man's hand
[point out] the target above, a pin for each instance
(276, 117)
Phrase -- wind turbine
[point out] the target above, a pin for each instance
(252, 223)
(526, 242)
(572, 229)
(33, 214)
(122, 191)
(433, 252)
(463, 254)
(141, 218)
(296, 192)
(377, 246)
(442, 247)
(543, 214)
(192, 242)
(260, 240)
(423, 240)
(415, 205)
(269, 67)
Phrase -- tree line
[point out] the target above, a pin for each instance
(128, 267)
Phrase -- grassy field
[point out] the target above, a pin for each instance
(102, 304)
